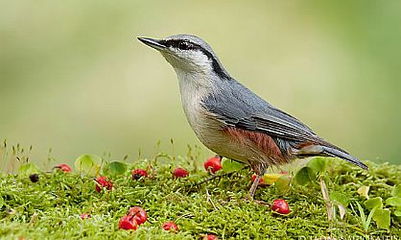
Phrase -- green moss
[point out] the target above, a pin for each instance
(51, 208)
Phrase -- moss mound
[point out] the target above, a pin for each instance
(50, 208)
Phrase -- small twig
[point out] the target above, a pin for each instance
(185, 215)
(212, 178)
(208, 197)
(217, 176)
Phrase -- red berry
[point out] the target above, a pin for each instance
(85, 216)
(213, 164)
(170, 226)
(102, 182)
(138, 214)
(210, 237)
(180, 173)
(64, 167)
(281, 206)
(138, 173)
(127, 223)
(261, 180)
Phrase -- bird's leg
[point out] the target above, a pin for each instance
(259, 169)
(254, 186)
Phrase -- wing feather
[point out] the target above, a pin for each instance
(237, 106)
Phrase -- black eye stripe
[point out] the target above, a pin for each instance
(187, 45)
(181, 44)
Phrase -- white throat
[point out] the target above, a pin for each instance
(194, 87)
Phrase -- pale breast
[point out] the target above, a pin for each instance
(209, 130)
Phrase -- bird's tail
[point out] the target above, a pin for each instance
(335, 152)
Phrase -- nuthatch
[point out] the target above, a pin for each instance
(230, 119)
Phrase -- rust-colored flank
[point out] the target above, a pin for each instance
(262, 141)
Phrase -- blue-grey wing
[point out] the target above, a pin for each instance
(237, 106)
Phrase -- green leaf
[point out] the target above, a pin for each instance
(394, 201)
(396, 191)
(28, 169)
(305, 175)
(382, 218)
(229, 165)
(369, 219)
(397, 212)
(364, 191)
(317, 164)
(115, 168)
(88, 164)
(376, 202)
(361, 212)
(283, 183)
(339, 198)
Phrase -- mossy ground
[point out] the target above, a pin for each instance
(51, 207)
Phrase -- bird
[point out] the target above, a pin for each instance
(230, 119)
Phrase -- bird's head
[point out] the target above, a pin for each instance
(188, 53)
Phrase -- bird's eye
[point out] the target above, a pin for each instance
(184, 45)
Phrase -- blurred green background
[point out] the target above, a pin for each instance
(73, 77)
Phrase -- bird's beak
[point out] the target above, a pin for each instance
(154, 43)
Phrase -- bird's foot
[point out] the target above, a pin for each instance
(250, 196)
(250, 199)
(261, 202)
(211, 178)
